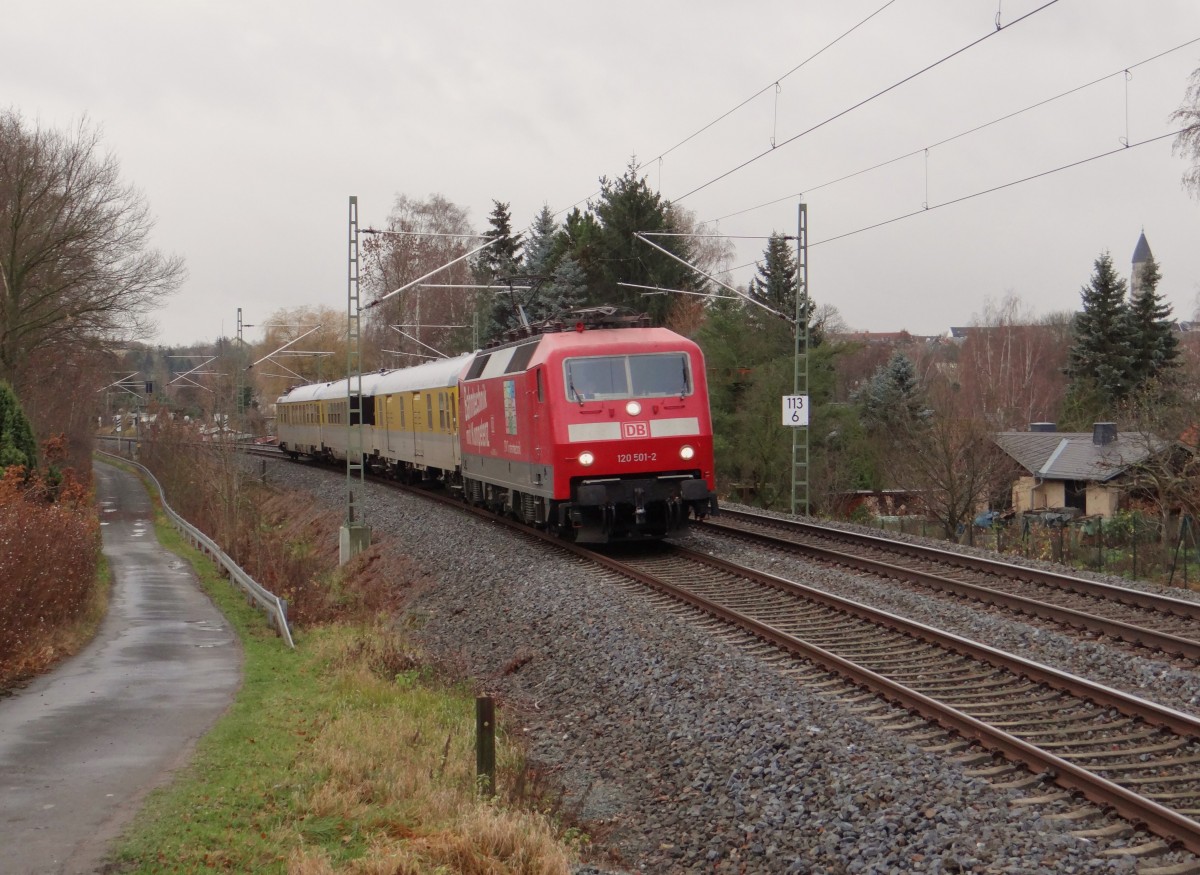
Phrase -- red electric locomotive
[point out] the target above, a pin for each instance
(603, 435)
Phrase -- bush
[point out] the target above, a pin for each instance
(49, 547)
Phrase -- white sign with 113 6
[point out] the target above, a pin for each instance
(795, 410)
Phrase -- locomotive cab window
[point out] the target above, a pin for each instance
(603, 378)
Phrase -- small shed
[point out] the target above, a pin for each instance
(1081, 470)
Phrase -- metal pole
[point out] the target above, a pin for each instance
(239, 383)
(485, 745)
(355, 535)
(800, 443)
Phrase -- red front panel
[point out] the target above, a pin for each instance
(530, 429)
(627, 436)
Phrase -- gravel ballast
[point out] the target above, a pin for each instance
(680, 752)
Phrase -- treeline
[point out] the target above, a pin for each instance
(890, 413)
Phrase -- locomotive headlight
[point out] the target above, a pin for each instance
(686, 452)
(633, 408)
(586, 458)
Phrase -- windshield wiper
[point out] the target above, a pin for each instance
(684, 390)
(571, 387)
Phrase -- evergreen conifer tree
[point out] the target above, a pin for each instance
(566, 291)
(1155, 347)
(544, 244)
(893, 396)
(17, 444)
(775, 283)
(1099, 363)
(504, 256)
(626, 206)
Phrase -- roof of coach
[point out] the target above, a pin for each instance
(439, 374)
(431, 375)
(332, 389)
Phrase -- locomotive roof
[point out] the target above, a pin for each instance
(430, 375)
(600, 341)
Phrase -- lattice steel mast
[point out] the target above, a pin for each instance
(355, 535)
(800, 382)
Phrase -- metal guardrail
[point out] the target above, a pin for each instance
(273, 605)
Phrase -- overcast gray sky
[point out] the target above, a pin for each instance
(248, 125)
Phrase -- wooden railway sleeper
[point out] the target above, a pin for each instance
(1114, 754)
(1085, 734)
(1152, 780)
(956, 700)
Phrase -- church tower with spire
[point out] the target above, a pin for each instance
(1141, 258)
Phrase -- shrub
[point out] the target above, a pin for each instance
(49, 546)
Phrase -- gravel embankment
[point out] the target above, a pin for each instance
(684, 754)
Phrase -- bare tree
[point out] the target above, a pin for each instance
(422, 236)
(76, 268)
(317, 332)
(1187, 143)
(711, 254)
(1010, 366)
(950, 460)
(1160, 427)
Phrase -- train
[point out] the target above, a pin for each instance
(598, 434)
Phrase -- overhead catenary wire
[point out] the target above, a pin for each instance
(773, 84)
(865, 100)
(973, 130)
(1124, 147)
(927, 208)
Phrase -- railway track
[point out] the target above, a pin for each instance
(1141, 619)
(1123, 753)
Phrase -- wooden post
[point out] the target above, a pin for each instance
(485, 745)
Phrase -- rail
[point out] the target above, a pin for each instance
(273, 605)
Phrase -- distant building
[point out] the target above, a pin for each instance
(879, 338)
(1080, 470)
(1142, 257)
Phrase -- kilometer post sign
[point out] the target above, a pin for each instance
(795, 411)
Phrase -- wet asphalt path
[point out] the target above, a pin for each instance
(81, 746)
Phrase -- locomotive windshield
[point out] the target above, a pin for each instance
(628, 376)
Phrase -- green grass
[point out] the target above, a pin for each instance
(222, 810)
(343, 755)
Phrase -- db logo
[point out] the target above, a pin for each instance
(635, 429)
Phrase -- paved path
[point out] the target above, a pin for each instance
(81, 746)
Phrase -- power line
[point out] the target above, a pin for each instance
(967, 197)
(730, 112)
(865, 101)
(773, 84)
(976, 129)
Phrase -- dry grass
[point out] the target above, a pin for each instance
(404, 778)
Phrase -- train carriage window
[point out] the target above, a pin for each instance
(442, 411)
(403, 402)
(429, 411)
